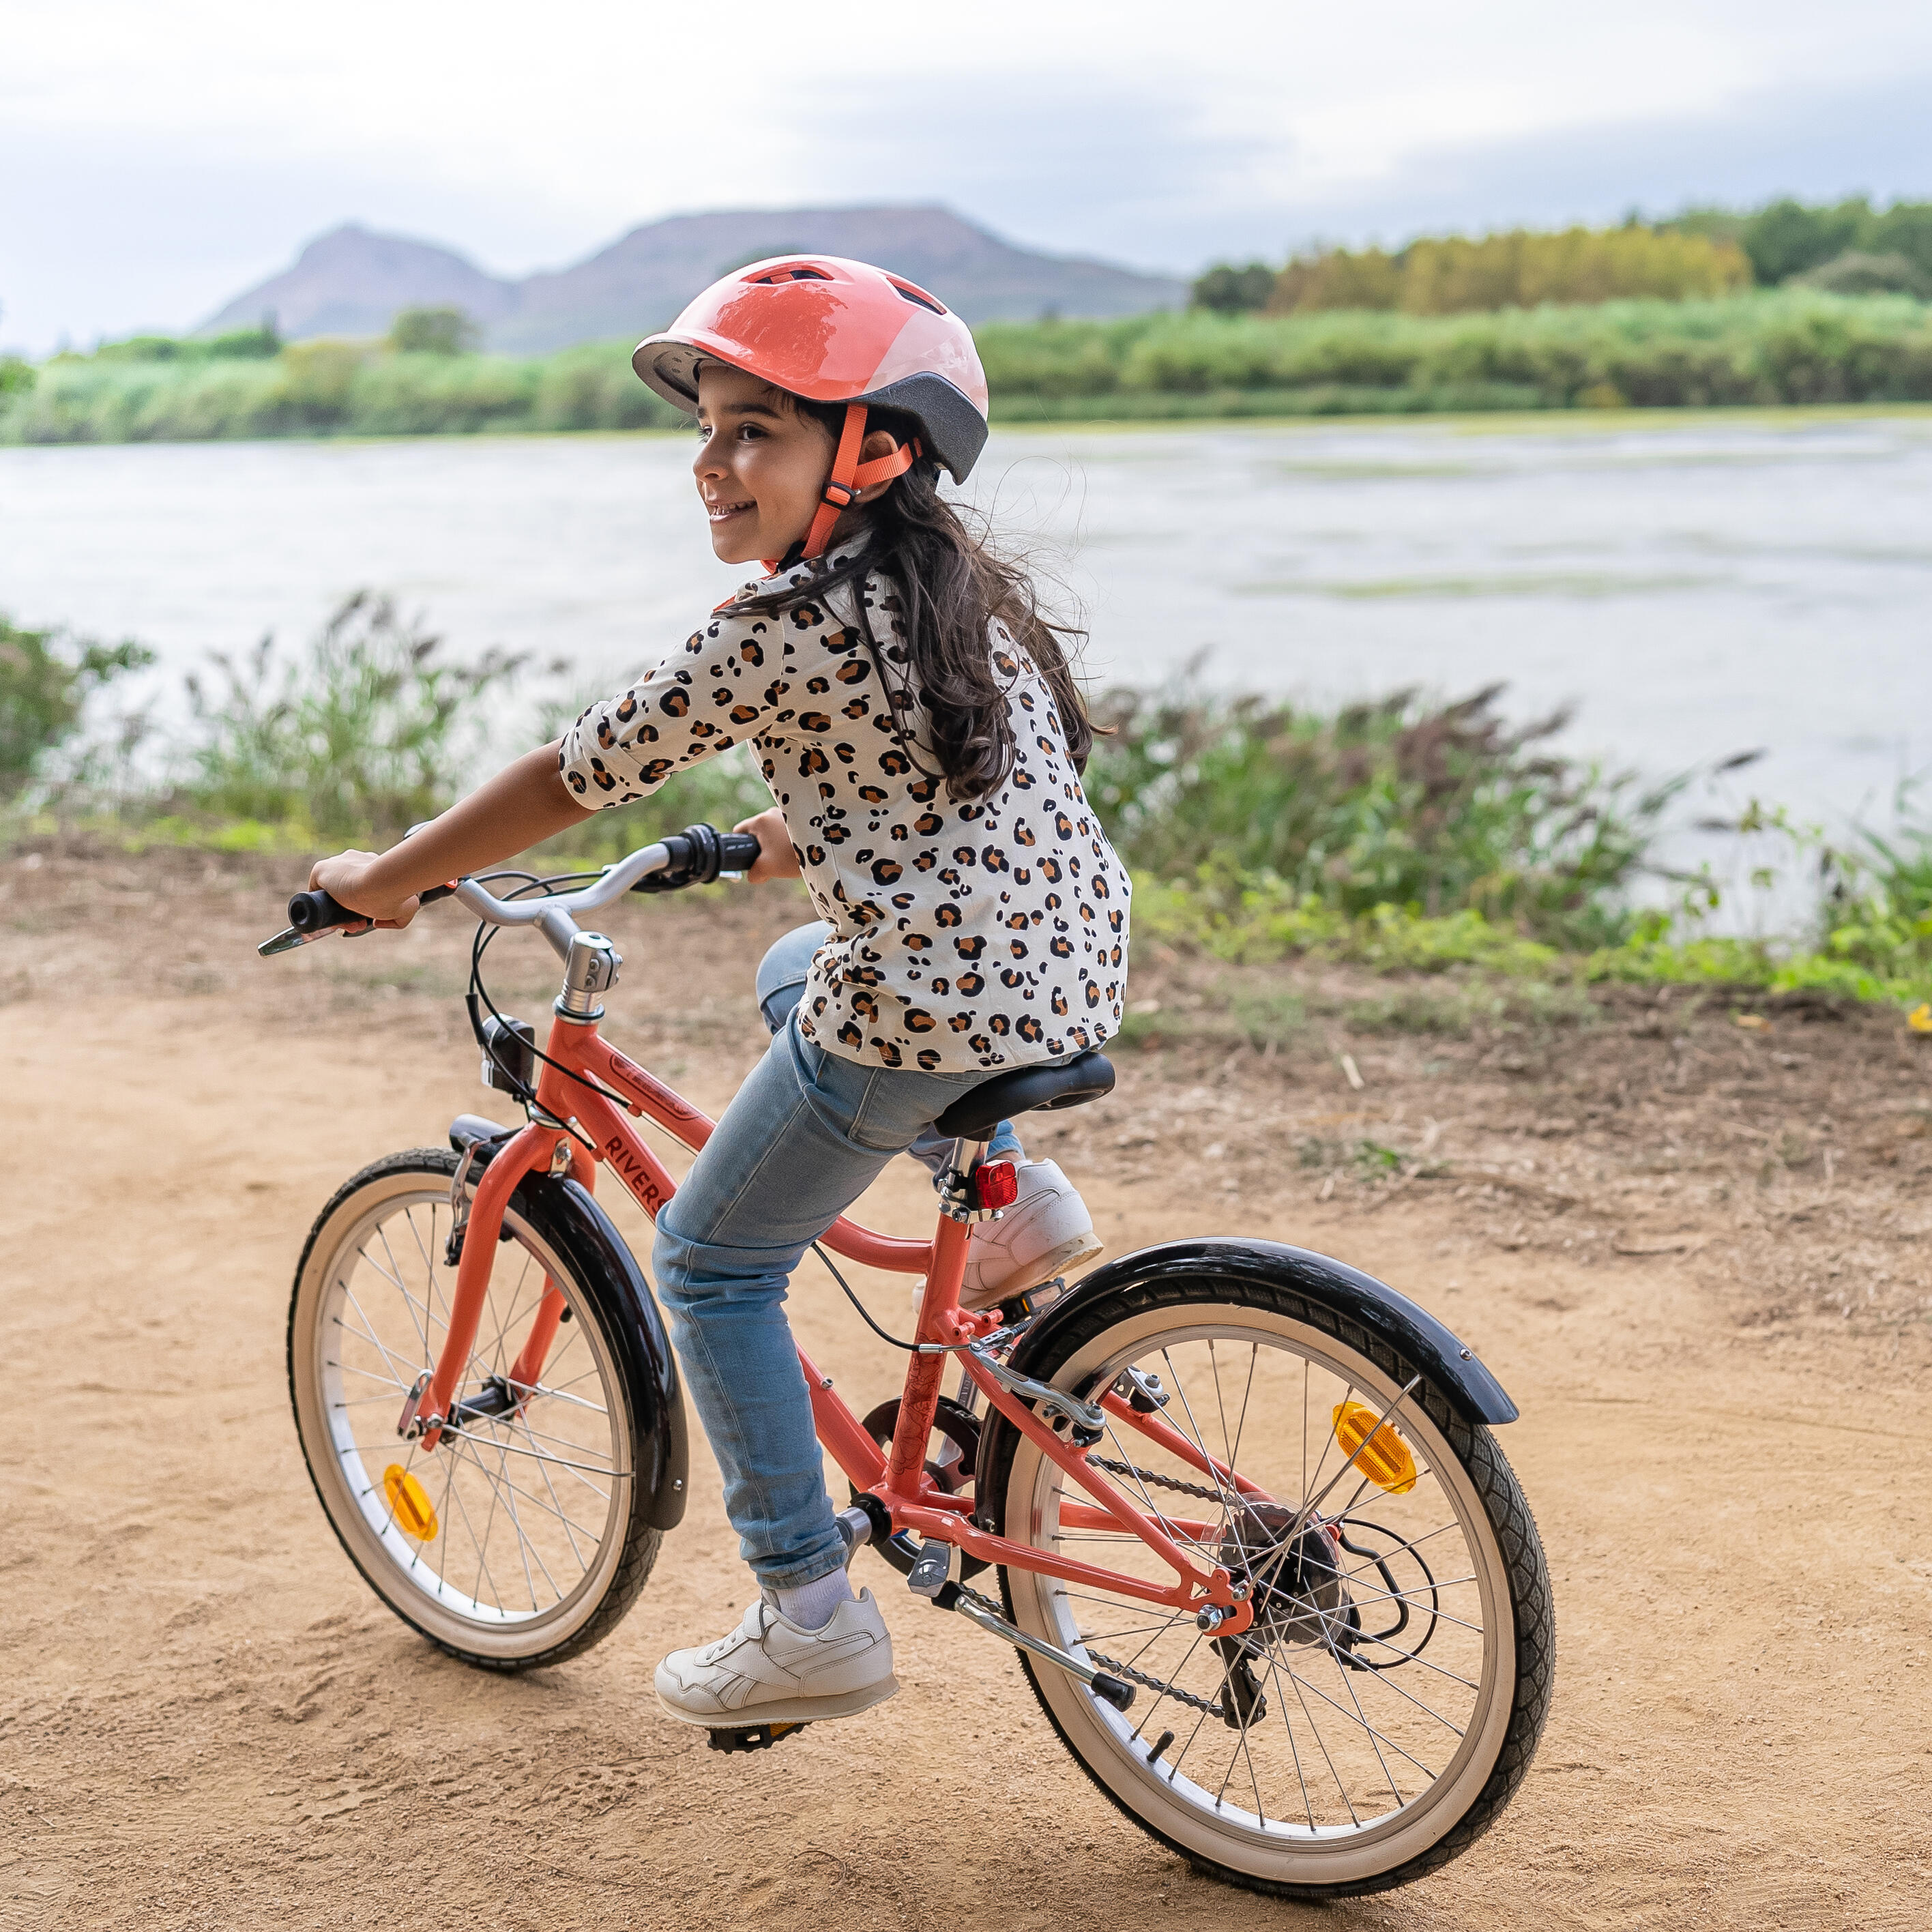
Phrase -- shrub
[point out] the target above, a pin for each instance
(1878, 916)
(1234, 290)
(432, 332)
(369, 732)
(594, 387)
(1454, 276)
(1442, 807)
(46, 679)
(1787, 238)
(1338, 278)
(1855, 272)
(318, 378)
(248, 345)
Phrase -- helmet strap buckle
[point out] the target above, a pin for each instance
(849, 477)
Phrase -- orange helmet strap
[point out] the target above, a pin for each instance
(849, 476)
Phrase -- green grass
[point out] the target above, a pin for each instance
(1772, 348)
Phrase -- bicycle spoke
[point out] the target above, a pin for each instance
(1288, 1731)
(475, 1460)
(1241, 1420)
(1355, 1718)
(504, 1491)
(1265, 1727)
(551, 1484)
(570, 1528)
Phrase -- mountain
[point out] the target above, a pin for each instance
(351, 281)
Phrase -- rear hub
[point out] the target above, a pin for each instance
(1300, 1598)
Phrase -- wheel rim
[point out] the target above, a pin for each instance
(1366, 1718)
(530, 1507)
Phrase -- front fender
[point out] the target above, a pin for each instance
(1421, 1340)
(568, 1215)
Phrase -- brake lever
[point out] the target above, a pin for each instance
(288, 939)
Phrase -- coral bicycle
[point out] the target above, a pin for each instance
(1263, 1563)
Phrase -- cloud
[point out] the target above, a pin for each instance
(153, 163)
(102, 235)
(1103, 168)
(1864, 139)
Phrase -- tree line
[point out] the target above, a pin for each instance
(1845, 247)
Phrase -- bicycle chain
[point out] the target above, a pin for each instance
(1114, 1468)
(1174, 1690)
(1117, 1668)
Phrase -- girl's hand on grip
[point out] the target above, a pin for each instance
(776, 858)
(347, 878)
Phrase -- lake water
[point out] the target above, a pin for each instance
(1694, 586)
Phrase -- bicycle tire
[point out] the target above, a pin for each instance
(1119, 1318)
(627, 1549)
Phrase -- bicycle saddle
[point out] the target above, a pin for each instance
(1085, 1077)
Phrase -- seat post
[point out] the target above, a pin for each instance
(905, 1467)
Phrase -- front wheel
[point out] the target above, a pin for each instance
(1386, 1701)
(523, 1537)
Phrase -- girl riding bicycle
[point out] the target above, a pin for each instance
(920, 727)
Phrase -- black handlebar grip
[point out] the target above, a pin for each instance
(319, 912)
(738, 853)
(316, 912)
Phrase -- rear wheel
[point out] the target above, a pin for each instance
(1386, 1702)
(521, 1539)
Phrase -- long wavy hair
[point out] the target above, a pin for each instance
(953, 586)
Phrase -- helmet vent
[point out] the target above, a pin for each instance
(797, 271)
(917, 296)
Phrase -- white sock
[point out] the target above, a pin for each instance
(812, 1606)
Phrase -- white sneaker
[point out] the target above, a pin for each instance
(768, 1671)
(1047, 1231)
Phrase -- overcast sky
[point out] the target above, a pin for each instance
(156, 159)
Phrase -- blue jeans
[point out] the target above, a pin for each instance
(802, 1140)
(780, 986)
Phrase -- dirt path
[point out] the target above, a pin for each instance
(206, 1719)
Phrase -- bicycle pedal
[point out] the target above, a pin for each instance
(753, 1738)
(932, 1569)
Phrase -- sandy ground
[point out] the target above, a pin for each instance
(1696, 1253)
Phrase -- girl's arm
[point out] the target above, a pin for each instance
(524, 804)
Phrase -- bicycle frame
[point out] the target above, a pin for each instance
(587, 1120)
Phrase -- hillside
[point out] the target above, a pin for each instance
(351, 281)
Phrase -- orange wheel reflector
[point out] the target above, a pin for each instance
(1386, 1461)
(410, 1505)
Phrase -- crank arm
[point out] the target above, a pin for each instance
(974, 1609)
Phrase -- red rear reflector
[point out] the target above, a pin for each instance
(996, 1183)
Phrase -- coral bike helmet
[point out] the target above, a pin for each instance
(835, 331)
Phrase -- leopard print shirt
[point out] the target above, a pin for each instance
(964, 937)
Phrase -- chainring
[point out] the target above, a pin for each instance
(951, 1470)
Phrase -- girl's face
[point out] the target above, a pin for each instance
(761, 466)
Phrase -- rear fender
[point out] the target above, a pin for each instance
(566, 1214)
(1422, 1340)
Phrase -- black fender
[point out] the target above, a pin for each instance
(566, 1214)
(1475, 1394)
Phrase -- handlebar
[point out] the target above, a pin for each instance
(318, 912)
(694, 857)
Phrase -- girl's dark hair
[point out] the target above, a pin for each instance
(952, 586)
